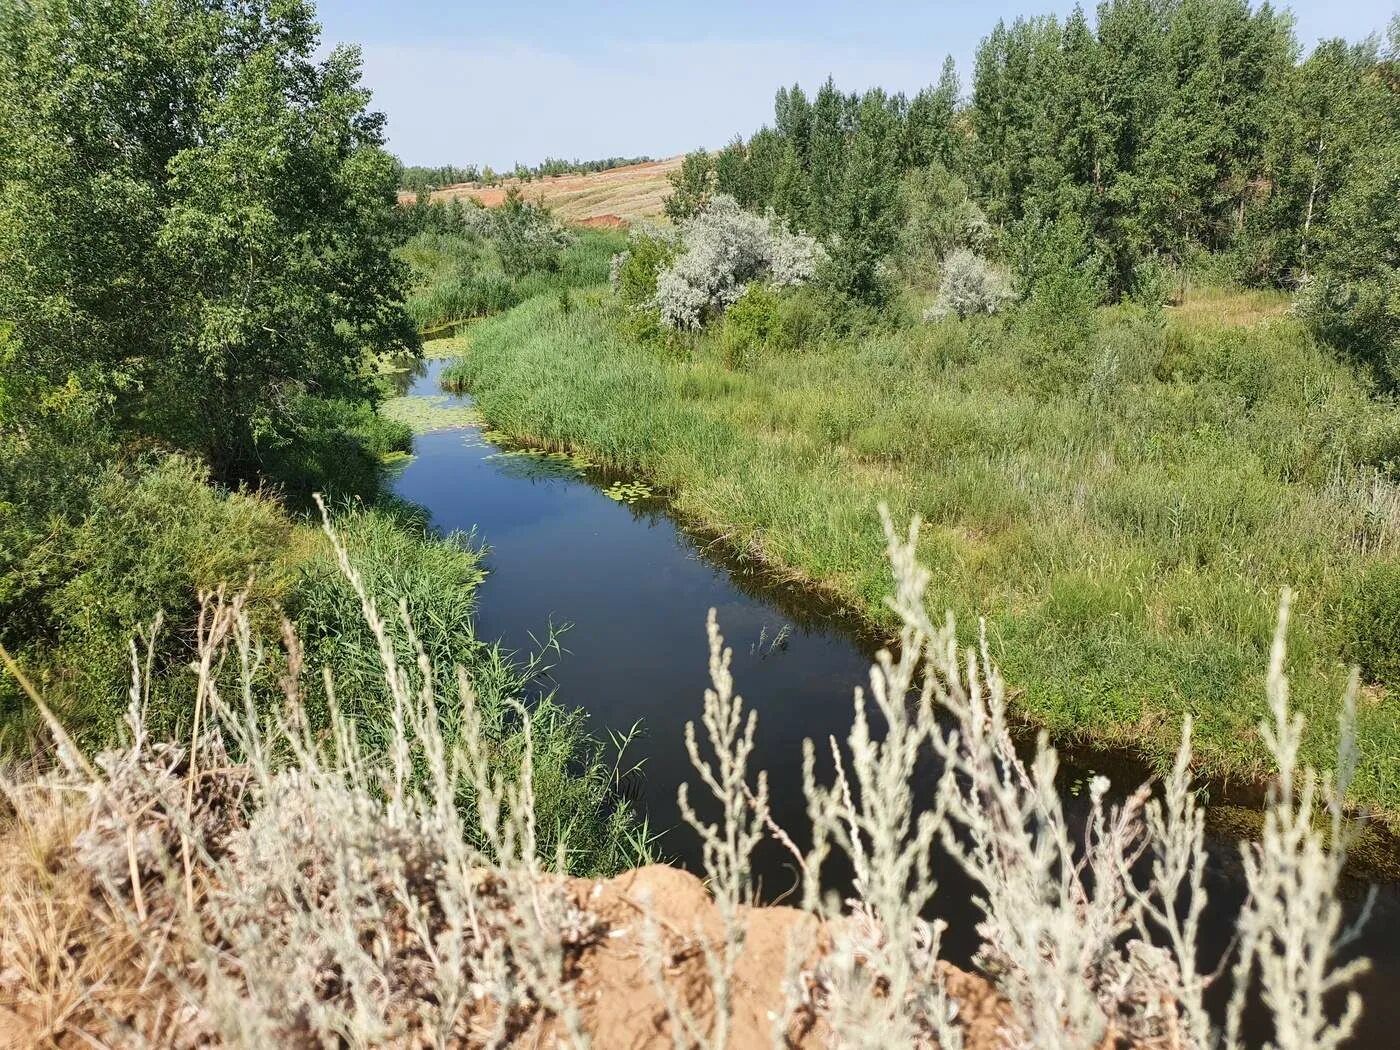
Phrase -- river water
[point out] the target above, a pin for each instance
(633, 589)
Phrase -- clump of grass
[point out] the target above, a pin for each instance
(459, 276)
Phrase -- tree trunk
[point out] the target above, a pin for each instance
(1312, 201)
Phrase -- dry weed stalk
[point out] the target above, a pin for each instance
(261, 883)
(307, 891)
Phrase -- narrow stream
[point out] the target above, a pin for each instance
(633, 590)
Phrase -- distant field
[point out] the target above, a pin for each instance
(601, 198)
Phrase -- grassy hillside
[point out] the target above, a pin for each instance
(629, 193)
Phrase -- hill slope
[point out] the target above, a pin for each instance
(625, 194)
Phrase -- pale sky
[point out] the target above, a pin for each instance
(495, 84)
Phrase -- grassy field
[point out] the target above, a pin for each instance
(1124, 519)
(634, 192)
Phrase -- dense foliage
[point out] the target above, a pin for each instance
(202, 273)
(198, 234)
(1171, 137)
(468, 262)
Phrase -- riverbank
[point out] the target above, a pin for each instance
(1126, 547)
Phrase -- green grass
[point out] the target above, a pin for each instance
(1123, 516)
(458, 277)
(435, 578)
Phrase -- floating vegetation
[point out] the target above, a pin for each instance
(542, 455)
(1081, 783)
(445, 348)
(424, 414)
(628, 491)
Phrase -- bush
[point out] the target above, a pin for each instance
(1361, 317)
(723, 249)
(750, 324)
(802, 318)
(969, 284)
(526, 236)
(650, 249)
(1060, 279)
(939, 216)
(692, 186)
(153, 538)
(335, 447)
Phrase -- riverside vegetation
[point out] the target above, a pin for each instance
(1125, 443)
(201, 283)
(1135, 380)
(310, 891)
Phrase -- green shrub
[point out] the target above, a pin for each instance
(336, 447)
(153, 537)
(939, 216)
(750, 325)
(802, 318)
(1059, 277)
(1360, 316)
(634, 272)
(692, 186)
(526, 236)
(403, 564)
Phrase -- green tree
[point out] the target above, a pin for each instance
(865, 224)
(1321, 132)
(732, 171)
(826, 158)
(692, 186)
(197, 215)
(930, 135)
(1354, 297)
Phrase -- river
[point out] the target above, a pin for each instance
(633, 590)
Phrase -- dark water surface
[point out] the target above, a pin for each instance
(634, 589)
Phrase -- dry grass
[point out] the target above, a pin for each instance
(629, 193)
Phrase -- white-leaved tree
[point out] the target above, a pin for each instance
(724, 248)
(969, 284)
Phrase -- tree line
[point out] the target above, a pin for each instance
(1160, 136)
(419, 178)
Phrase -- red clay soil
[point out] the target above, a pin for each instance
(616, 990)
(609, 222)
(661, 916)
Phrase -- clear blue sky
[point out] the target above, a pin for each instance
(493, 84)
